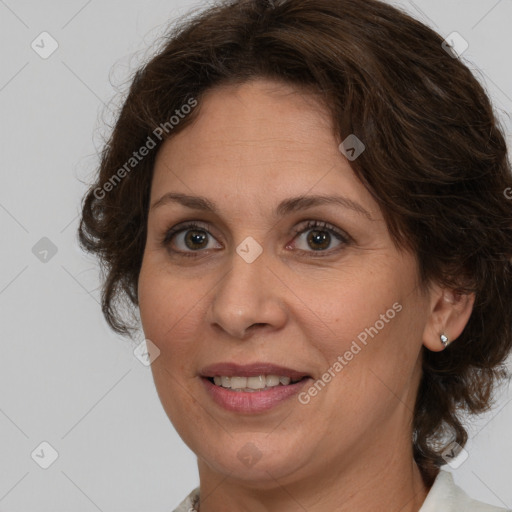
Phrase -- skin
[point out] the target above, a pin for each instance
(252, 146)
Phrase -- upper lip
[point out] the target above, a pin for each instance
(250, 370)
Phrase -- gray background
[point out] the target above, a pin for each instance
(64, 377)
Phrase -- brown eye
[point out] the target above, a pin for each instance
(319, 236)
(320, 239)
(195, 238)
(188, 238)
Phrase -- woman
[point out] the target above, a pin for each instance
(306, 202)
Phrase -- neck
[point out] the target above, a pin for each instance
(392, 484)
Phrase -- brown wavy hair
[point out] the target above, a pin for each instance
(435, 161)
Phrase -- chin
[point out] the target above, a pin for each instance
(252, 459)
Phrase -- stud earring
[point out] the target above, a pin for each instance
(444, 340)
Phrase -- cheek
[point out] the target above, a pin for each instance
(167, 311)
(370, 336)
(348, 305)
(168, 314)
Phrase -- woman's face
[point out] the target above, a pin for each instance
(255, 285)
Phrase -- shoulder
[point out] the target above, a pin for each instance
(189, 503)
(446, 494)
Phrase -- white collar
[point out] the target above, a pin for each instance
(446, 496)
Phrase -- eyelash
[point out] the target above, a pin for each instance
(320, 225)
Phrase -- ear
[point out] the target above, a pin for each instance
(449, 313)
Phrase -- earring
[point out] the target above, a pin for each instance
(444, 340)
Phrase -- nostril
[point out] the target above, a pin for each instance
(256, 325)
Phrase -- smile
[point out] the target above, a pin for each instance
(251, 384)
(251, 388)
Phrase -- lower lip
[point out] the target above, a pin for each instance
(252, 402)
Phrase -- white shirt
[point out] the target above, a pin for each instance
(444, 496)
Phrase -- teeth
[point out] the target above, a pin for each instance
(251, 383)
(238, 382)
(258, 382)
(272, 380)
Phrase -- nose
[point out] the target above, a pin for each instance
(249, 297)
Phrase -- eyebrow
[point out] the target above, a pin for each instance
(285, 207)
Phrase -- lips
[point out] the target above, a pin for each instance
(243, 400)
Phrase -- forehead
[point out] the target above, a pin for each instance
(259, 141)
(262, 115)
